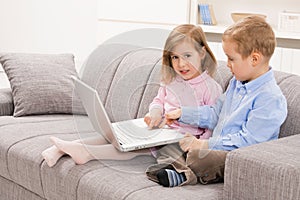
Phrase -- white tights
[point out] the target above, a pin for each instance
(82, 151)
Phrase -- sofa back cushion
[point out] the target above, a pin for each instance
(290, 86)
(127, 78)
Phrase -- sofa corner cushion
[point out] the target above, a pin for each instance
(268, 170)
(41, 83)
(6, 104)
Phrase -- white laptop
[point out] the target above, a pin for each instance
(124, 135)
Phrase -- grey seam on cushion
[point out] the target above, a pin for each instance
(129, 194)
(85, 132)
(30, 122)
(43, 161)
(6, 159)
(110, 84)
(13, 144)
(40, 174)
(291, 95)
(139, 105)
(83, 174)
(284, 79)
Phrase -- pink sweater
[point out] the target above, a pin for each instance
(202, 90)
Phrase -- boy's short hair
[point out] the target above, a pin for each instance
(252, 34)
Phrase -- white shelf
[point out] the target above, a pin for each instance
(284, 39)
(221, 28)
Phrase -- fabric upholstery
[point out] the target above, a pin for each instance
(6, 102)
(23, 139)
(290, 86)
(99, 69)
(120, 70)
(127, 78)
(9, 190)
(125, 104)
(41, 83)
(263, 171)
(21, 162)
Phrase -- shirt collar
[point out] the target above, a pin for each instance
(258, 82)
(202, 77)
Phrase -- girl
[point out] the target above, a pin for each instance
(187, 65)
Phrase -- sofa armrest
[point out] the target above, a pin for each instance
(6, 102)
(268, 170)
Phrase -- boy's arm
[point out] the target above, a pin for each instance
(204, 116)
(262, 124)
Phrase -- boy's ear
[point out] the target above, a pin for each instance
(256, 58)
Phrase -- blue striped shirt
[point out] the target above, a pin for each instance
(245, 114)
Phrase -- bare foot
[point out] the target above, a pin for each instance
(76, 150)
(52, 155)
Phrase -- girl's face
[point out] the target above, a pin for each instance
(241, 68)
(186, 60)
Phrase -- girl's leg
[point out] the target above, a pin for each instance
(82, 153)
(53, 154)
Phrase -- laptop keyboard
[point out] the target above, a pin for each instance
(129, 132)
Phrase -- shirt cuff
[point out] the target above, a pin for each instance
(213, 143)
(220, 143)
(156, 106)
(190, 115)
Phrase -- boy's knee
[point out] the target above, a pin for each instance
(208, 165)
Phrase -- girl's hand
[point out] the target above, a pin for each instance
(172, 116)
(189, 142)
(154, 118)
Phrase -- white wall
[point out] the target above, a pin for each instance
(119, 16)
(49, 26)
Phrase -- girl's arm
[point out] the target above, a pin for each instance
(156, 109)
(159, 101)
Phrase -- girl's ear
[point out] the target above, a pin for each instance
(203, 52)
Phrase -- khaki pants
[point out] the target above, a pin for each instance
(203, 166)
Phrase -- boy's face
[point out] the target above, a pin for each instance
(186, 60)
(241, 68)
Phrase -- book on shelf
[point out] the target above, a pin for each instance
(206, 14)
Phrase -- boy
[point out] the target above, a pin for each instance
(251, 110)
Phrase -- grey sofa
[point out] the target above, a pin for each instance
(127, 79)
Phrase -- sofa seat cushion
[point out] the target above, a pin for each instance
(112, 180)
(23, 139)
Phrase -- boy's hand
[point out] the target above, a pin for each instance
(189, 142)
(172, 116)
(154, 118)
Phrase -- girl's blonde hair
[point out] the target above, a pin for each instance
(252, 34)
(194, 34)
